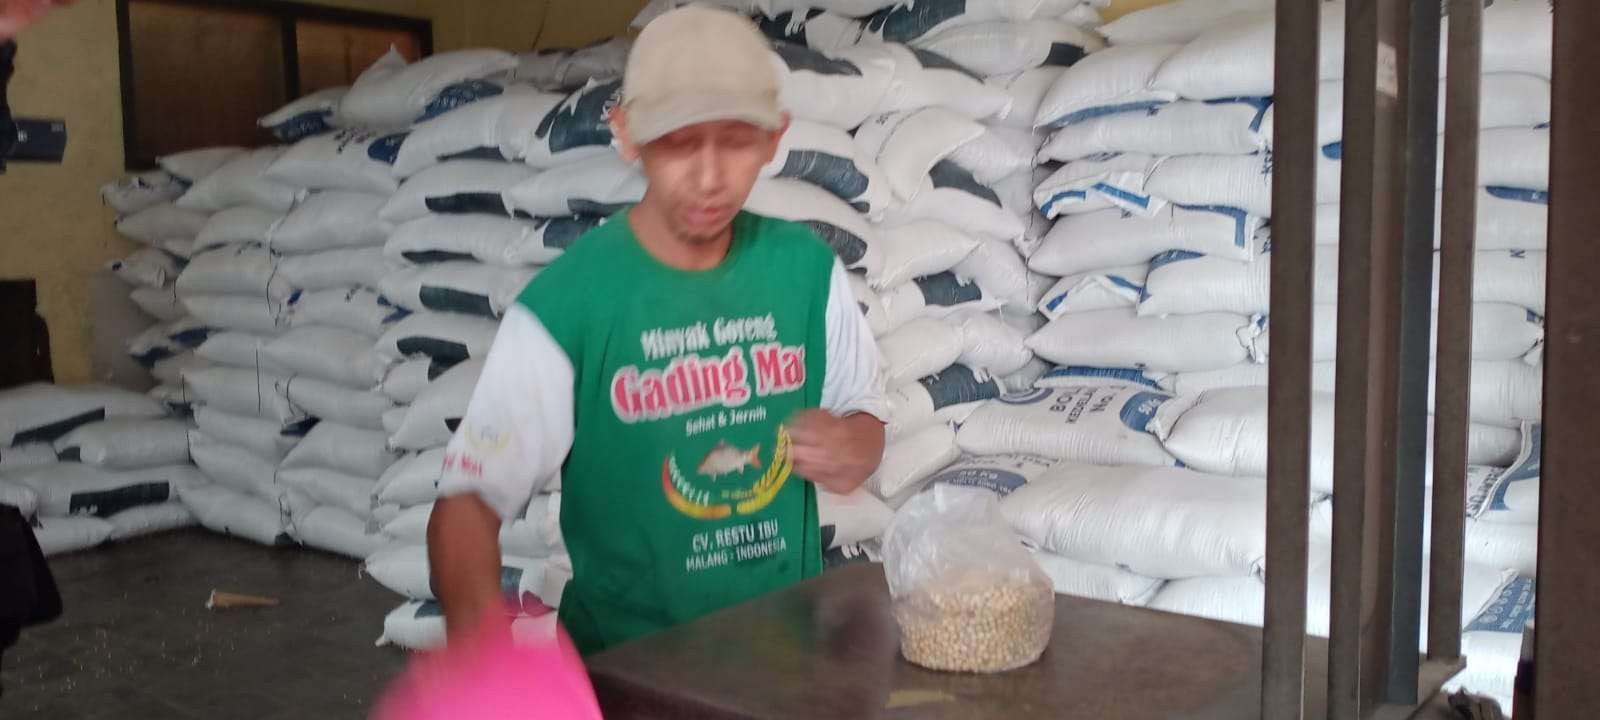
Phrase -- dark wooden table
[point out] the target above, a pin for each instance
(829, 648)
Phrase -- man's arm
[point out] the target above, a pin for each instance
(839, 446)
(515, 434)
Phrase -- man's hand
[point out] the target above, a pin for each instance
(836, 453)
(464, 556)
(18, 14)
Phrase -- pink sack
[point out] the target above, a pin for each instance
(495, 677)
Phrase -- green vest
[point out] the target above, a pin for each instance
(679, 496)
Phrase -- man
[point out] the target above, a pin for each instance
(690, 368)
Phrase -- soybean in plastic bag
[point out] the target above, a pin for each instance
(967, 595)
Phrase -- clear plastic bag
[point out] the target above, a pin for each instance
(967, 596)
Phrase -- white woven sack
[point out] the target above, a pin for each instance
(947, 397)
(62, 535)
(457, 186)
(42, 412)
(329, 220)
(906, 146)
(1028, 90)
(243, 224)
(337, 531)
(358, 310)
(242, 391)
(394, 94)
(456, 287)
(351, 493)
(829, 158)
(1232, 127)
(431, 420)
(146, 267)
(918, 349)
(335, 269)
(1097, 582)
(924, 79)
(1002, 48)
(1093, 290)
(575, 130)
(150, 519)
(1159, 522)
(331, 354)
(905, 23)
(159, 303)
(601, 185)
(235, 467)
(349, 450)
(357, 159)
(251, 314)
(242, 181)
(853, 518)
(192, 166)
(1114, 80)
(1113, 238)
(138, 192)
(909, 462)
(1120, 338)
(336, 403)
(1508, 219)
(506, 242)
(160, 222)
(841, 91)
(235, 270)
(841, 227)
(1103, 423)
(919, 249)
(413, 479)
(522, 113)
(1236, 59)
(438, 335)
(951, 195)
(469, 131)
(302, 117)
(998, 153)
(229, 512)
(265, 439)
(127, 444)
(1084, 186)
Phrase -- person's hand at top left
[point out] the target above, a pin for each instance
(18, 14)
(836, 453)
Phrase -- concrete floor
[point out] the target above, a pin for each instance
(136, 640)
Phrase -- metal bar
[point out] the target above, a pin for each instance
(1294, 142)
(1420, 93)
(1369, 272)
(1458, 231)
(1569, 543)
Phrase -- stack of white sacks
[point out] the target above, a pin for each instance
(91, 463)
(1154, 419)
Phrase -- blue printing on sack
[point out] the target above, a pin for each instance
(999, 481)
(561, 233)
(1334, 150)
(581, 119)
(958, 385)
(1519, 194)
(1064, 195)
(1083, 371)
(1526, 468)
(845, 244)
(946, 290)
(799, 57)
(777, 27)
(1064, 55)
(1510, 611)
(444, 299)
(455, 95)
(835, 174)
(1142, 201)
(304, 125)
(904, 22)
(466, 203)
(477, 153)
(386, 148)
(934, 61)
(1240, 220)
(946, 174)
(1259, 103)
(1030, 397)
(105, 503)
(1140, 409)
(1100, 111)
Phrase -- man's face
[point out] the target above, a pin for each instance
(701, 175)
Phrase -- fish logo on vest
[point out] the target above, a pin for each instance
(725, 459)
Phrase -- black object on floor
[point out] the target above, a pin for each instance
(137, 642)
(28, 594)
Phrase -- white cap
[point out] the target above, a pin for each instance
(697, 64)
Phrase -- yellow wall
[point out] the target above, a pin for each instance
(53, 226)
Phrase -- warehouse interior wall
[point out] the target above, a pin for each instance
(1119, 8)
(53, 226)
